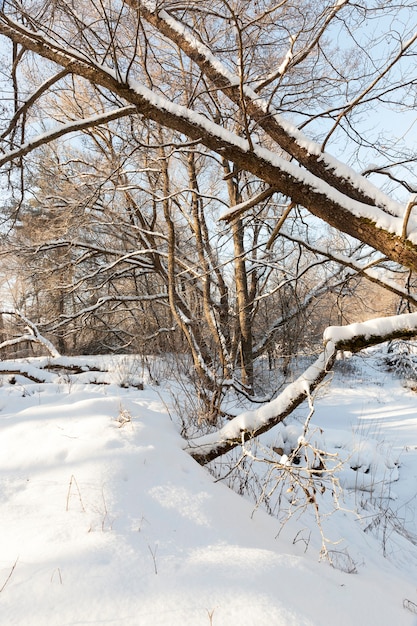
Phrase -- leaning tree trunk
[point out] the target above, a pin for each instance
(250, 424)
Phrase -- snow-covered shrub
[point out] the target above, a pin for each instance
(401, 358)
(124, 417)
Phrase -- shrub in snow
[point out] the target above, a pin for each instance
(128, 372)
(402, 359)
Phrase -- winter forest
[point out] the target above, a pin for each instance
(208, 219)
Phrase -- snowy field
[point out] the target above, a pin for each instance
(105, 519)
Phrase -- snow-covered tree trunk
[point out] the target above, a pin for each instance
(326, 187)
(253, 423)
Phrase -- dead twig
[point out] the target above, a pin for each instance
(73, 480)
(10, 575)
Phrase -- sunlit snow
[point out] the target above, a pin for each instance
(105, 518)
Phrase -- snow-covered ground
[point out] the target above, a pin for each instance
(105, 519)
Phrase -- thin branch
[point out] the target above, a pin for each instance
(236, 211)
(22, 110)
(412, 203)
(361, 96)
(279, 225)
(9, 576)
(65, 129)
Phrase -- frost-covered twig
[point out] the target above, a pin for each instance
(64, 129)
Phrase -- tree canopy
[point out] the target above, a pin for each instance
(146, 144)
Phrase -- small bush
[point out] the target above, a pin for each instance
(402, 360)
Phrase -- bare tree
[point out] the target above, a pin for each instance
(261, 90)
(327, 188)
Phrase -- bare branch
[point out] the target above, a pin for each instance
(403, 48)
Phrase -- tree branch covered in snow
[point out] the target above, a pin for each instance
(327, 188)
(284, 133)
(26, 370)
(32, 336)
(250, 424)
(65, 129)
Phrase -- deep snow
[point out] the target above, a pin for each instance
(105, 519)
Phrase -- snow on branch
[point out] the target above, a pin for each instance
(360, 335)
(367, 271)
(250, 424)
(64, 129)
(31, 372)
(286, 134)
(100, 302)
(328, 189)
(235, 211)
(32, 334)
(279, 322)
